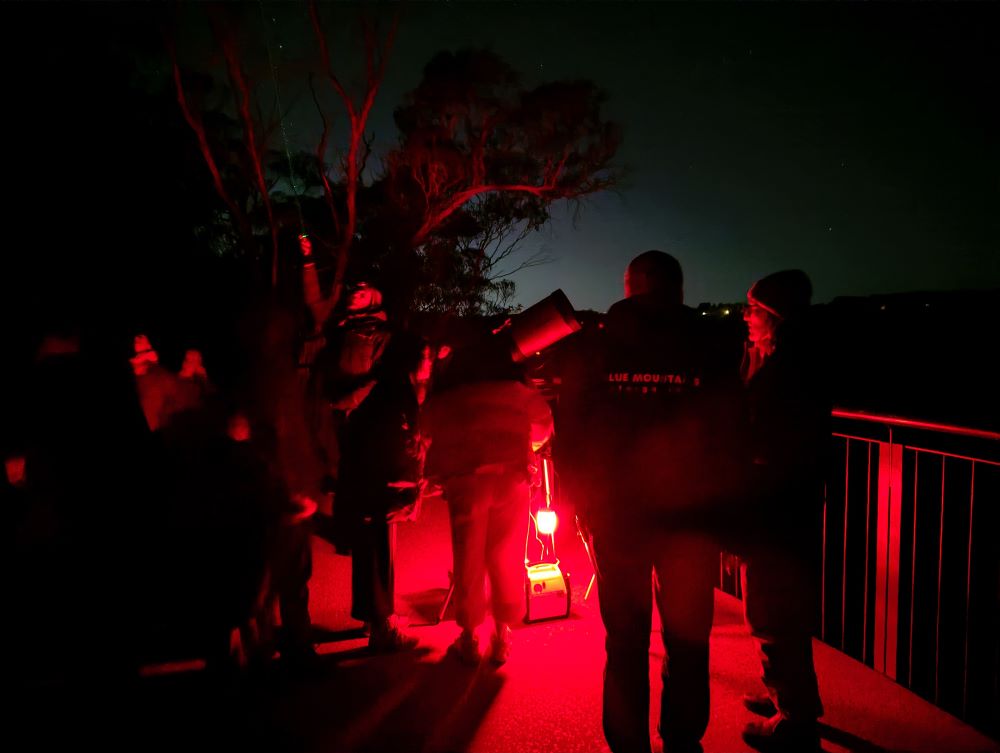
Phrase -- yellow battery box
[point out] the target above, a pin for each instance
(547, 592)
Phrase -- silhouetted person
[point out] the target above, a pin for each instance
(224, 498)
(341, 376)
(379, 484)
(636, 443)
(162, 393)
(278, 421)
(483, 425)
(789, 429)
(84, 452)
(154, 383)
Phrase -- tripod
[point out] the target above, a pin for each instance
(447, 597)
(587, 539)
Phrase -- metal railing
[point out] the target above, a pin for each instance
(911, 558)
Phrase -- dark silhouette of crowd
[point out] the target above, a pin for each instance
(172, 505)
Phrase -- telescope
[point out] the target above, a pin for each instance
(542, 325)
(501, 354)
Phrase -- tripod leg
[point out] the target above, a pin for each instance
(586, 594)
(447, 598)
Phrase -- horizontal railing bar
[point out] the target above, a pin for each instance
(951, 455)
(851, 436)
(912, 423)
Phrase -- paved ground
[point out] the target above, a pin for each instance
(547, 698)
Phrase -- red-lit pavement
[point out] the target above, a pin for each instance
(546, 698)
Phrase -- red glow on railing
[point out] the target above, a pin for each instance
(912, 423)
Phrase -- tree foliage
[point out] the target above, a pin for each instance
(480, 160)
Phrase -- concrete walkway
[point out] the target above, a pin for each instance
(547, 697)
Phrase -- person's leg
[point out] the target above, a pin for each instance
(626, 609)
(386, 634)
(468, 510)
(293, 596)
(505, 558)
(685, 568)
(365, 565)
(778, 602)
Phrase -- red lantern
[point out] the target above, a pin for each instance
(546, 521)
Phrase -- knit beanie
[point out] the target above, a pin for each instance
(783, 293)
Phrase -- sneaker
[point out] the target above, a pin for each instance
(781, 735)
(466, 648)
(387, 637)
(760, 704)
(500, 645)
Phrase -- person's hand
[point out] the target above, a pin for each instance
(402, 485)
(305, 245)
(407, 514)
(305, 508)
(431, 489)
(730, 563)
(418, 504)
(411, 510)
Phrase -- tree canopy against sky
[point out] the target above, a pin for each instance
(854, 140)
(478, 162)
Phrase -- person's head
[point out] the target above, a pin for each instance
(145, 356)
(774, 299)
(655, 273)
(193, 366)
(362, 297)
(238, 427)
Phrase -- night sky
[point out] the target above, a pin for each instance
(857, 141)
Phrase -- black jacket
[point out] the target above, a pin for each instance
(382, 445)
(787, 440)
(642, 415)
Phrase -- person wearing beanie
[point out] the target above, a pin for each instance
(771, 301)
(788, 412)
(631, 432)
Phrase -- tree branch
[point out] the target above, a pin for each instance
(198, 127)
(358, 120)
(321, 160)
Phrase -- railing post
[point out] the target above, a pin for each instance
(890, 485)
